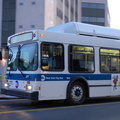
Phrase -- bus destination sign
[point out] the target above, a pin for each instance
(21, 37)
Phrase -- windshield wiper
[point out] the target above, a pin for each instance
(19, 67)
(9, 73)
(22, 73)
(19, 61)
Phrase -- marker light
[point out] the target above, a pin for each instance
(34, 32)
(28, 82)
(42, 35)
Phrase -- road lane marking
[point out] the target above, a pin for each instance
(15, 99)
(55, 108)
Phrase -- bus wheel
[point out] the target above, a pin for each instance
(77, 93)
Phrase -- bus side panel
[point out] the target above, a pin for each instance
(100, 91)
(99, 88)
(53, 90)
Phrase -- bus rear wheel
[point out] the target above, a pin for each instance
(76, 93)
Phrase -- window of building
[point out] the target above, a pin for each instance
(53, 53)
(8, 20)
(81, 59)
(93, 5)
(72, 13)
(32, 26)
(76, 4)
(76, 16)
(20, 26)
(66, 3)
(21, 3)
(66, 19)
(5, 25)
(85, 19)
(109, 60)
(101, 6)
(85, 5)
(8, 25)
(33, 3)
(100, 19)
(72, 2)
(11, 25)
(76, 10)
(59, 13)
(92, 19)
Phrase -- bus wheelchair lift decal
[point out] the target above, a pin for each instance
(116, 82)
(16, 84)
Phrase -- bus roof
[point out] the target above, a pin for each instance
(86, 29)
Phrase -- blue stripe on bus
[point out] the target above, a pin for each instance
(58, 77)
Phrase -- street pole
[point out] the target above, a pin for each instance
(0, 34)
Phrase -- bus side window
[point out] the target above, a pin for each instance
(81, 59)
(76, 66)
(35, 62)
(109, 60)
(105, 68)
(58, 62)
(54, 53)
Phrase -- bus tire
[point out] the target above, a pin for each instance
(77, 93)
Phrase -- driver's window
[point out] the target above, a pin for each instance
(12, 58)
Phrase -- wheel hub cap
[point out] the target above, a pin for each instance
(77, 93)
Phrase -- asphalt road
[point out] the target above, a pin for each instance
(93, 109)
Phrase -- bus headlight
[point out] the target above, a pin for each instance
(29, 87)
(6, 85)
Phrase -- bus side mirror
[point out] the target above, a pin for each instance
(44, 62)
(0, 55)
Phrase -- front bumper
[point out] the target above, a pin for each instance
(21, 94)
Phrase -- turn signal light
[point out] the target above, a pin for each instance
(42, 35)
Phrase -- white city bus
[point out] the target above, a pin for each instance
(71, 62)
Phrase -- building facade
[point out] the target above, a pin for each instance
(95, 12)
(8, 19)
(21, 15)
(42, 14)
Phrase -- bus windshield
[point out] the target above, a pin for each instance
(25, 58)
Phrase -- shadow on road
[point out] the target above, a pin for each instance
(28, 104)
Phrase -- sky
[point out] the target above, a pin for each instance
(114, 9)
